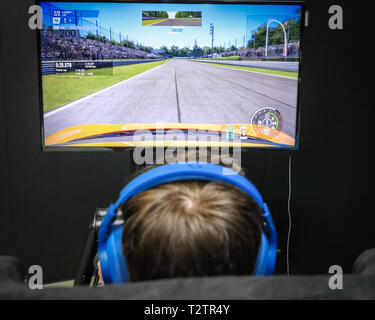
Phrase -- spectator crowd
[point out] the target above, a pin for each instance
(275, 51)
(54, 47)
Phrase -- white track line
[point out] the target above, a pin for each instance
(222, 65)
(51, 113)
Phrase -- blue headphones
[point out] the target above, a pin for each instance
(112, 261)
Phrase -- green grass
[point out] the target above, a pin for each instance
(60, 89)
(231, 58)
(148, 22)
(289, 74)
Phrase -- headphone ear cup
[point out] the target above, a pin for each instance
(272, 241)
(271, 259)
(263, 257)
(114, 268)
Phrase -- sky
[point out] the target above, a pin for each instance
(231, 22)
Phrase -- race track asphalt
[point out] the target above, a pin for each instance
(179, 22)
(182, 91)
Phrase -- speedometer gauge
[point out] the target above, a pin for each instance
(266, 123)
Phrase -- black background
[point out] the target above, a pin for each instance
(47, 199)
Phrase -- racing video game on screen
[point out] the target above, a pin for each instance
(119, 75)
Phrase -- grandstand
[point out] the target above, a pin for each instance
(79, 48)
(92, 42)
(274, 52)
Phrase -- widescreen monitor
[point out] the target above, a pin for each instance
(125, 74)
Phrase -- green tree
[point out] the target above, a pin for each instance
(174, 51)
(156, 14)
(197, 51)
(128, 44)
(96, 37)
(188, 14)
(276, 33)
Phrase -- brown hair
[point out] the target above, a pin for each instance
(190, 228)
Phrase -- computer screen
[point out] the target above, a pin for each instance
(125, 74)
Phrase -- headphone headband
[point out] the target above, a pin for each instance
(179, 172)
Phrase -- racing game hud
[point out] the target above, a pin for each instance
(121, 75)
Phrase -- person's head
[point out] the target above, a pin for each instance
(190, 228)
